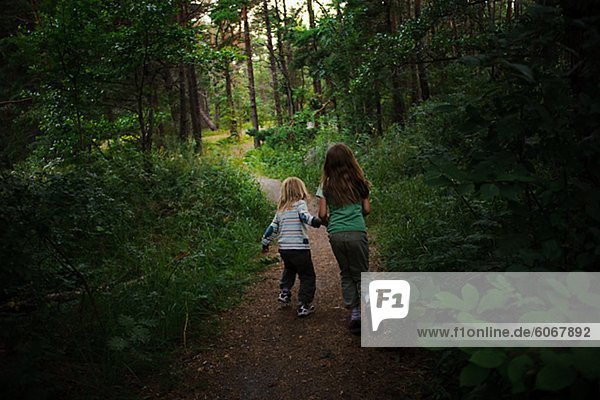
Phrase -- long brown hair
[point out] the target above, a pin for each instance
(343, 180)
(292, 190)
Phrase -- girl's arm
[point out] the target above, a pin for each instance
(305, 216)
(271, 231)
(323, 210)
(366, 207)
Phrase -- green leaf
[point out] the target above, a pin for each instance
(451, 301)
(510, 192)
(467, 318)
(517, 367)
(488, 358)
(473, 375)
(554, 377)
(523, 70)
(585, 360)
(465, 188)
(489, 191)
(470, 296)
(493, 299)
(117, 343)
(444, 108)
(558, 358)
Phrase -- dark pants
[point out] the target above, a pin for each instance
(351, 250)
(298, 262)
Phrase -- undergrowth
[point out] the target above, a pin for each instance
(111, 261)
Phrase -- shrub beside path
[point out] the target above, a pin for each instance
(266, 352)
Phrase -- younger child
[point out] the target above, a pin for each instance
(290, 223)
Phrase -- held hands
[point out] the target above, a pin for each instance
(316, 222)
(265, 248)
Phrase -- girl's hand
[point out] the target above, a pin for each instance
(323, 211)
(366, 207)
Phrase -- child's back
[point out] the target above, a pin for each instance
(290, 225)
(344, 201)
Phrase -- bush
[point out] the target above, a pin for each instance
(292, 151)
(107, 261)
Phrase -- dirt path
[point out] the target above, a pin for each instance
(266, 352)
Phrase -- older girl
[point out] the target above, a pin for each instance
(344, 202)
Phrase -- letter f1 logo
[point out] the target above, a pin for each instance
(391, 300)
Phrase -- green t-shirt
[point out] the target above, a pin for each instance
(345, 218)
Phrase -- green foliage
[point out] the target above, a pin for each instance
(98, 62)
(524, 144)
(518, 371)
(420, 227)
(291, 151)
(105, 259)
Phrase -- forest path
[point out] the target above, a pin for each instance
(267, 352)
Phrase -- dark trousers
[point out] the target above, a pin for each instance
(298, 262)
(351, 250)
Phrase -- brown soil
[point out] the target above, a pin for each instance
(266, 352)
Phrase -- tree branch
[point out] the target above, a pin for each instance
(17, 101)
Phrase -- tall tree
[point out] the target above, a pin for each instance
(226, 15)
(192, 84)
(192, 90)
(184, 122)
(421, 68)
(250, 69)
(315, 73)
(398, 104)
(272, 63)
(283, 62)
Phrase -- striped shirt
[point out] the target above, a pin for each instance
(291, 226)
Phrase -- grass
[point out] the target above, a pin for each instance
(163, 240)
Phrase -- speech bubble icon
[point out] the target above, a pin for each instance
(388, 300)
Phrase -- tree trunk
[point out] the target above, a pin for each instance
(283, 65)
(233, 131)
(421, 69)
(379, 115)
(141, 85)
(184, 122)
(202, 110)
(398, 106)
(273, 65)
(194, 107)
(315, 73)
(415, 88)
(250, 67)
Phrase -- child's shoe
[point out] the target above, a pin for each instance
(305, 309)
(354, 323)
(354, 326)
(285, 297)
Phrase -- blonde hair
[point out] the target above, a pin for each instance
(292, 190)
